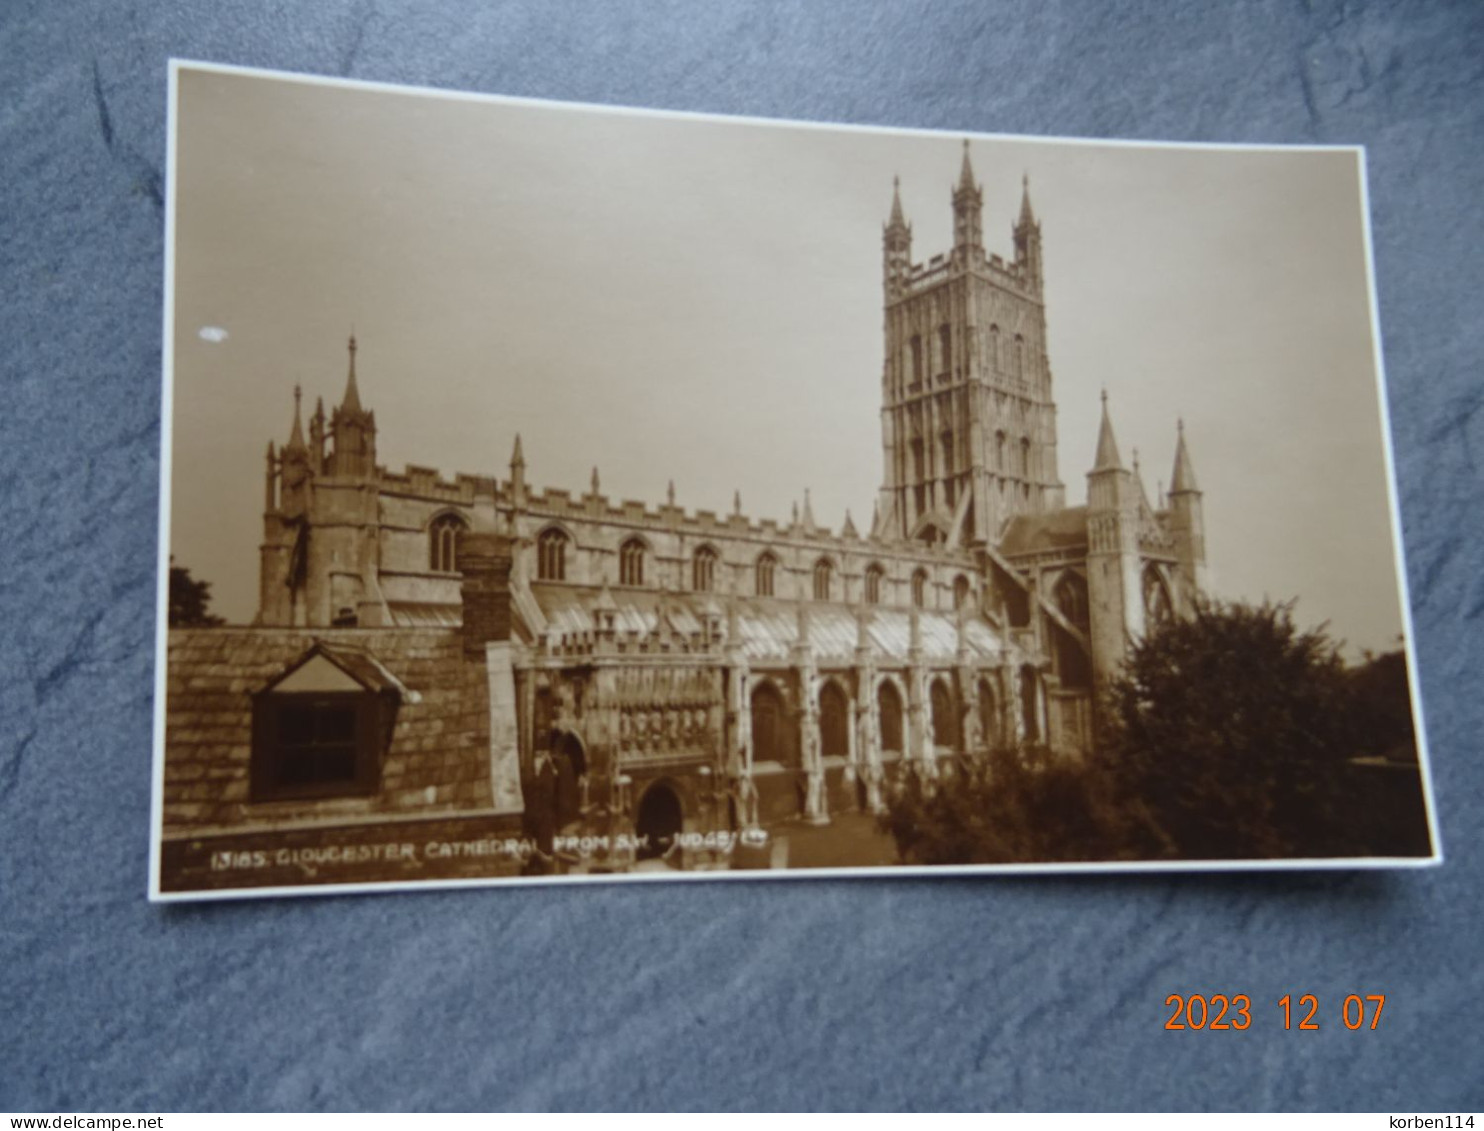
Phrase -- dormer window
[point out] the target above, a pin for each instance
(320, 729)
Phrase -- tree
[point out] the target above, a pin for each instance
(1017, 805)
(1234, 729)
(189, 600)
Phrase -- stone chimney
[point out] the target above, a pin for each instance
(485, 560)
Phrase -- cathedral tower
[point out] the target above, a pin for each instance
(968, 420)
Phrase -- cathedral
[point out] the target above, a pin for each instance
(669, 671)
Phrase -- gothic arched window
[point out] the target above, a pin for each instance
(824, 573)
(999, 451)
(874, 576)
(945, 348)
(960, 591)
(770, 732)
(919, 589)
(1157, 605)
(889, 707)
(989, 715)
(631, 562)
(834, 722)
(994, 347)
(945, 715)
(1030, 703)
(703, 570)
(1070, 596)
(443, 543)
(767, 567)
(1019, 356)
(1025, 458)
(916, 358)
(551, 555)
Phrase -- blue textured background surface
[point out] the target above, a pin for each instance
(991, 993)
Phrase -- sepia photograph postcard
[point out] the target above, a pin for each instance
(555, 493)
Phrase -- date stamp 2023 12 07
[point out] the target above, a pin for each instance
(1222, 1011)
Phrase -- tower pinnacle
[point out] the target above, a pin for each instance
(1107, 456)
(897, 220)
(352, 399)
(1183, 478)
(296, 436)
(966, 171)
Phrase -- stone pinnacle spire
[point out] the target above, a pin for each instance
(1183, 477)
(1027, 213)
(296, 437)
(966, 172)
(352, 399)
(897, 219)
(1107, 456)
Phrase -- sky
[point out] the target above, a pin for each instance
(698, 299)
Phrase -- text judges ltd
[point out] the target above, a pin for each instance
(519, 848)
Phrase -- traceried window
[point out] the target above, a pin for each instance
(945, 348)
(960, 592)
(767, 569)
(874, 577)
(443, 543)
(1070, 596)
(631, 562)
(989, 715)
(772, 740)
(1157, 605)
(1025, 458)
(551, 555)
(945, 714)
(824, 574)
(994, 347)
(834, 722)
(1019, 356)
(919, 589)
(703, 570)
(889, 712)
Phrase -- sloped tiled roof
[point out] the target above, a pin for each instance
(440, 742)
(769, 627)
(1037, 533)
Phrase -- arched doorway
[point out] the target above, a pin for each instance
(770, 738)
(834, 722)
(889, 707)
(658, 820)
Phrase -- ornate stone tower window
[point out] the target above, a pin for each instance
(443, 542)
(874, 576)
(551, 558)
(631, 562)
